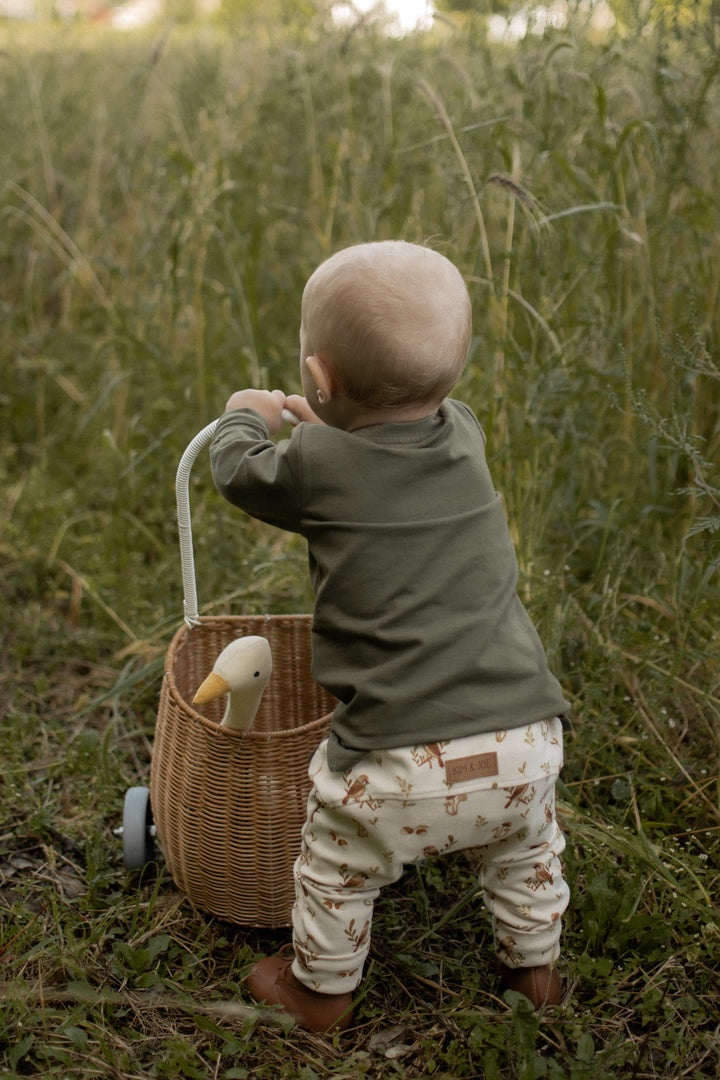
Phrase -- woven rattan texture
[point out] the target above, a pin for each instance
(229, 806)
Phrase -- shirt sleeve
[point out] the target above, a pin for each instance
(255, 474)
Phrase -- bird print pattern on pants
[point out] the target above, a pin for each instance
(494, 792)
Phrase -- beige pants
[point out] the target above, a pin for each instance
(494, 792)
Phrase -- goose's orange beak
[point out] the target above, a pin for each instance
(213, 687)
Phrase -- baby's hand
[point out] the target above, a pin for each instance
(300, 408)
(269, 404)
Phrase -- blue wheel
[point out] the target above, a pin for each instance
(138, 831)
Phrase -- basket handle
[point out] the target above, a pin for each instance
(182, 496)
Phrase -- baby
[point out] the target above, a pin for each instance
(447, 733)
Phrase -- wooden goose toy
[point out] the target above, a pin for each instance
(241, 671)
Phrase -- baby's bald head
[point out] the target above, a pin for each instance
(393, 319)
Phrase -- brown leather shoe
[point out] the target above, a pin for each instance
(271, 981)
(541, 985)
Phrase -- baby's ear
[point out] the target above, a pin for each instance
(323, 375)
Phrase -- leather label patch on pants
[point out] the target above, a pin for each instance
(471, 768)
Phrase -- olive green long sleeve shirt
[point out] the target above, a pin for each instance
(418, 629)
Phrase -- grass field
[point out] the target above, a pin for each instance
(164, 198)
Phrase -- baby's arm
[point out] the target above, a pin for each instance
(252, 472)
(269, 404)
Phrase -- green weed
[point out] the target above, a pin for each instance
(164, 199)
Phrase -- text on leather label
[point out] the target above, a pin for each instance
(471, 768)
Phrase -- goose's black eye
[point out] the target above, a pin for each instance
(256, 675)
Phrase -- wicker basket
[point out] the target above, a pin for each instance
(229, 805)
